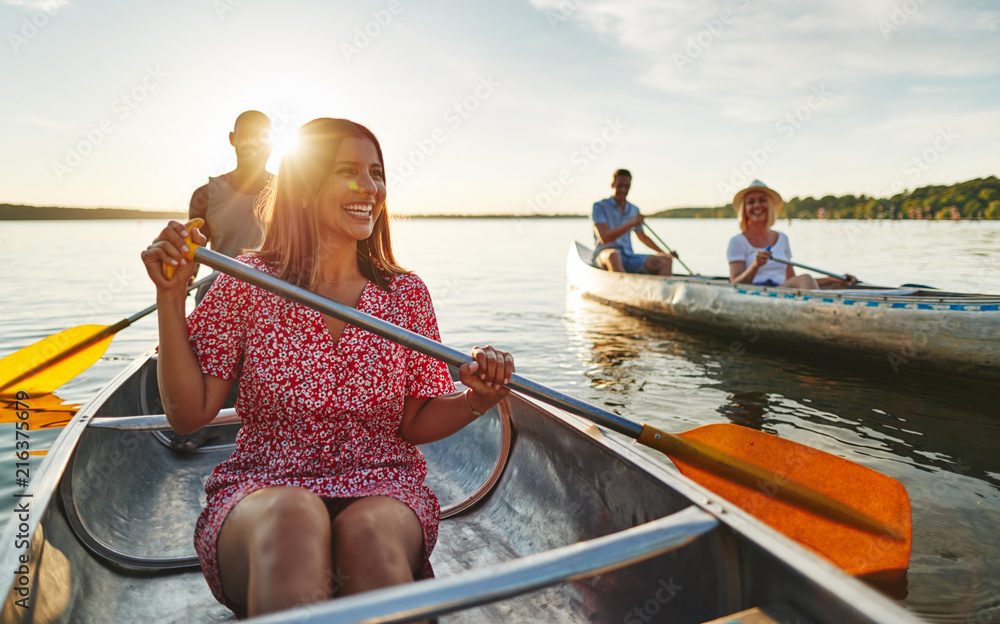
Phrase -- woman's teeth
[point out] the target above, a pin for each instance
(359, 210)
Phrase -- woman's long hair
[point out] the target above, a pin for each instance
(289, 209)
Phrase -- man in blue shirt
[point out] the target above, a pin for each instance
(614, 220)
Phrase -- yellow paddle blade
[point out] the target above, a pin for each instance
(42, 367)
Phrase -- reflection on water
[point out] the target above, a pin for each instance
(39, 412)
(746, 408)
(933, 434)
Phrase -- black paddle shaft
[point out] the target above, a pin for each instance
(408, 339)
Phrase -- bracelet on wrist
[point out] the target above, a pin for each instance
(469, 403)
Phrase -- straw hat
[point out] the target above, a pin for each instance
(773, 198)
(774, 202)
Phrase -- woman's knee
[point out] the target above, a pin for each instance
(296, 512)
(280, 518)
(277, 532)
(383, 529)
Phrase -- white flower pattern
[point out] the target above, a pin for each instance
(316, 414)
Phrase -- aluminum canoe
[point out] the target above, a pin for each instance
(895, 328)
(545, 519)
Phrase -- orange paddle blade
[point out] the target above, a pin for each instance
(47, 364)
(859, 552)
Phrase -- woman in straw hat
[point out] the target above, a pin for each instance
(750, 253)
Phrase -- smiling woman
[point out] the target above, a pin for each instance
(750, 253)
(326, 481)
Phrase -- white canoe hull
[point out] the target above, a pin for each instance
(901, 328)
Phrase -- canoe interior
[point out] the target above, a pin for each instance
(135, 502)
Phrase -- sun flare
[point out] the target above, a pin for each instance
(282, 143)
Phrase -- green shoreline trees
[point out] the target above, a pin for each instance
(973, 199)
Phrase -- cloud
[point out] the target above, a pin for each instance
(38, 5)
(749, 58)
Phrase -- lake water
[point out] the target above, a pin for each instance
(503, 282)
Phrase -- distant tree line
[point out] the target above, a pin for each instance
(20, 212)
(973, 199)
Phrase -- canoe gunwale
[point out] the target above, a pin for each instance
(43, 489)
(863, 292)
(440, 596)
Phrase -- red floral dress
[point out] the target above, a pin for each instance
(316, 414)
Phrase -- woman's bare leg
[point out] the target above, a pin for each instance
(377, 542)
(274, 550)
(806, 282)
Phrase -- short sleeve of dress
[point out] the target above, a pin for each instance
(217, 327)
(426, 377)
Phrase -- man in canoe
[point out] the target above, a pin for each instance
(324, 495)
(226, 203)
(615, 219)
(750, 253)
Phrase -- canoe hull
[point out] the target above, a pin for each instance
(564, 481)
(955, 334)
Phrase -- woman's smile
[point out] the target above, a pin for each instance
(360, 210)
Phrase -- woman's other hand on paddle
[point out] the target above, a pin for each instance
(169, 248)
(487, 375)
(761, 258)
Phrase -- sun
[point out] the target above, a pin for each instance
(282, 143)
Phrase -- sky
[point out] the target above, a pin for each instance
(513, 107)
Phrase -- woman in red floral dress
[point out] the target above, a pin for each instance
(324, 495)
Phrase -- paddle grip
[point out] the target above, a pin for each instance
(197, 222)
